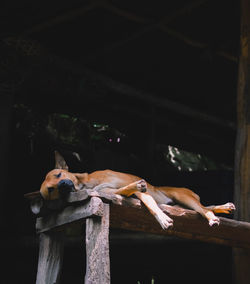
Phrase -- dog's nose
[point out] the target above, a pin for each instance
(65, 186)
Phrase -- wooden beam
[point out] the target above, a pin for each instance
(114, 198)
(6, 99)
(40, 207)
(50, 258)
(151, 25)
(68, 16)
(188, 224)
(97, 249)
(94, 207)
(161, 25)
(134, 216)
(242, 151)
(126, 90)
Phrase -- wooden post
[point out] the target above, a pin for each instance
(50, 259)
(5, 126)
(97, 249)
(242, 154)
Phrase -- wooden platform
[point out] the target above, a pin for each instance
(58, 219)
(130, 214)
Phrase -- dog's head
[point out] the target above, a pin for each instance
(59, 182)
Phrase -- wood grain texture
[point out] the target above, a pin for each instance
(242, 147)
(40, 207)
(134, 216)
(50, 259)
(97, 249)
(94, 207)
(190, 225)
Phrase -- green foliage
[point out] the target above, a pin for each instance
(188, 161)
(77, 134)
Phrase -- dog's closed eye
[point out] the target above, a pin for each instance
(58, 175)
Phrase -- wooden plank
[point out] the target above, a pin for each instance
(77, 196)
(97, 249)
(114, 198)
(189, 226)
(50, 259)
(39, 206)
(242, 150)
(117, 199)
(94, 207)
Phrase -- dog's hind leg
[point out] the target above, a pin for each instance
(192, 202)
(188, 198)
(227, 208)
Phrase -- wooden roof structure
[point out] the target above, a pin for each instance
(160, 62)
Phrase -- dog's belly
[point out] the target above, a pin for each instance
(160, 197)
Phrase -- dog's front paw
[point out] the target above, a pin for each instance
(214, 221)
(141, 185)
(164, 220)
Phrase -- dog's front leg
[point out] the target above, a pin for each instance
(128, 190)
(153, 208)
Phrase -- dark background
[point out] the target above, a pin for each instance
(118, 82)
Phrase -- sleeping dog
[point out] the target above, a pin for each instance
(60, 181)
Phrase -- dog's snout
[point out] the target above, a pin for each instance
(65, 186)
(65, 182)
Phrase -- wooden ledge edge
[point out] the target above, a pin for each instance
(38, 204)
(93, 208)
(187, 224)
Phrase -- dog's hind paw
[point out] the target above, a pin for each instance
(229, 207)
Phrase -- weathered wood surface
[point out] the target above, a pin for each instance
(50, 259)
(242, 149)
(39, 206)
(94, 207)
(97, 249)
(114, 198)
(189, 225)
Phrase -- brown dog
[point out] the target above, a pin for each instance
(60, 181)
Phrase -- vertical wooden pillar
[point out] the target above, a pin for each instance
(151, 144)
(242, 154)
(5, 126)
(50, 259)
(97, 249)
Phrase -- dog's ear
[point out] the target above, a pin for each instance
(60, 162)
(82, 178)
